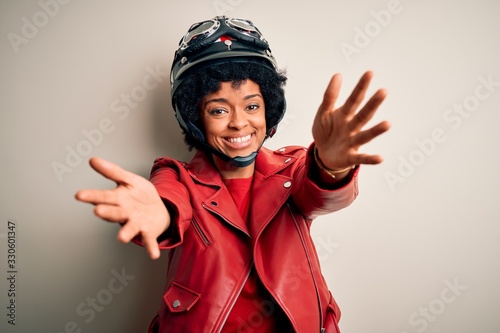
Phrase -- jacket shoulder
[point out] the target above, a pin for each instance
(291, 151)
(162, 163)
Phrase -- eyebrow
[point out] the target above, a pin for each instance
(224, 100)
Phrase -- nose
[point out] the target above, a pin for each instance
(238, 120)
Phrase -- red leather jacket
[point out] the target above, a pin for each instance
(212, 250)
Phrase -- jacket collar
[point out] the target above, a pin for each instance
(202, 168)
(267, 163)
(270, 162)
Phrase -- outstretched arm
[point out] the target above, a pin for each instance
(134, 203)
(338, 131)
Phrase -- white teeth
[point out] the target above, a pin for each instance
(240, 139)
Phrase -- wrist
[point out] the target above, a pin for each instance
(333, 173)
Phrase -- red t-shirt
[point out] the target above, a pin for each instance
(255, 309)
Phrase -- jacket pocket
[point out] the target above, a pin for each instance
(179, 298)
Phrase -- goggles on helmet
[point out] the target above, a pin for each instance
(216, 41)
(210, 41)
(203, 33)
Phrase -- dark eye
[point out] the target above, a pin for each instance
(253, 107)
(217, 112)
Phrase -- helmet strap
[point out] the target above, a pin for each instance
(238, 161)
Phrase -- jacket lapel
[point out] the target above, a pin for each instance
(270, 189)
(217, 200)
(268, 196)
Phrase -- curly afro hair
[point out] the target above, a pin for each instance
(207, 80)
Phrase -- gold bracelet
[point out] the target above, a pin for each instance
(330, 172)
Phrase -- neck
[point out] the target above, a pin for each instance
(229, 171)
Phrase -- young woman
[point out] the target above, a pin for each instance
(236, 218)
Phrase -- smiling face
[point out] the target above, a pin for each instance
(234, 118)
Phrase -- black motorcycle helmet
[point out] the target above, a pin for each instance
(217, 41)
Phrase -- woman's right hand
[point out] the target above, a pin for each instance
(134, 203)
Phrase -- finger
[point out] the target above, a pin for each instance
(365, 159)
(127, 232)
(367, 112)
(358, 94)
(97, 196)
(151, 245)
(111, 170)
(111, 213)
(367, 135)
(331, 94)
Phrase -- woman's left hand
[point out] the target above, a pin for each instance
(338, 132)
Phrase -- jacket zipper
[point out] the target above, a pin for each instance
(222, 217)
(235, 299)
(200, 232)
(246, 277)
(322, 330)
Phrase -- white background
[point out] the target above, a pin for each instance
(426, 218)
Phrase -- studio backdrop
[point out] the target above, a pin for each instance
(418, 251)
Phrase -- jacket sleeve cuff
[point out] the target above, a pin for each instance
(173, 236)
(174, 196)
(313, 171)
